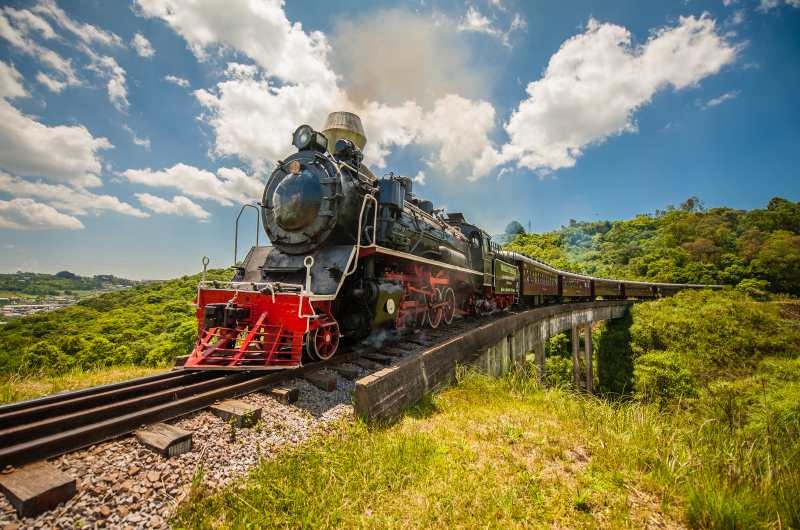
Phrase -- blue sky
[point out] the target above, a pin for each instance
(131, 131)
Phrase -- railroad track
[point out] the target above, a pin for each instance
(61, 423)
(46, 427)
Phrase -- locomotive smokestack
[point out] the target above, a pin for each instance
(344, 125)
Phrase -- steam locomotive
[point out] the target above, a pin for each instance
(353, 253)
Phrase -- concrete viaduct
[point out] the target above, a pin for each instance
(494, 348)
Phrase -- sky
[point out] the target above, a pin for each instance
(132, 131)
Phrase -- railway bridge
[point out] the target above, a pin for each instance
(494, 348)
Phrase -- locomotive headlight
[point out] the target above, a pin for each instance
(302, 137)
(307, 138)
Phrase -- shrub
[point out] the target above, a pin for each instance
(720, 332)
(661, 377)
(756, 289)
(558, 371)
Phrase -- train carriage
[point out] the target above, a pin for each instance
(575, 286)
(608, 289)
(639, 290)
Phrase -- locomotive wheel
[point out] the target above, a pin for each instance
(436, 309)
(449, 309)
(322, 342)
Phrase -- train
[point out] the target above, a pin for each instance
(353, 254)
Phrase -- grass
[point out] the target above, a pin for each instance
(497, 453)
(16, 387)
(506, 453)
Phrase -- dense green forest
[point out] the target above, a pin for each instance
(687, 244)
(64, 282)
(148, 324)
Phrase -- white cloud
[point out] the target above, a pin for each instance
(477, 22)
(719, 100)
(767, 5)
(18, 37)
(11, 82)
(70, 200)
(738, 17)
(596, 81)
(728, 3)
(85, 32)
(142, 142)
(66, 153)
(30, 22)
(254, 119)
(142, 46)
(53, 85)
(228, 186)
(29, 148)
(260, 30)
(181, 82)
(456, 128)
(27, 214)
(179, 205)
(108, 68)
(419, 178)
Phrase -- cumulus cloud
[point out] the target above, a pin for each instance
(228, 186)
(53, 85)
(175, 80)
(456, 128)
(87, 33)
(30, 22)
(260, 30)
(11, 82)
(75, 201)
(142, 46)
(108, 68)
(15, 30)
(66, 153)
(253, 118)
(596, 81)
(591, 89)
(27, 214)
(179, 205)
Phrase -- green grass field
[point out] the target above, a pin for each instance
(506, 453)
(19, 387)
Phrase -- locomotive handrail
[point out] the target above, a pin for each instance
(236, 237)
(367, 197)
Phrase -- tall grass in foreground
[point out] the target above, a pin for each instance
(17, 387)
(507, 453)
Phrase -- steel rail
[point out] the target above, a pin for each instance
(51, 426)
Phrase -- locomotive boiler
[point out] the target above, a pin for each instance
(352, 253)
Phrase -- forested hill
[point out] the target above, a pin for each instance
(687, 244)
(148, 324)
(64, 282)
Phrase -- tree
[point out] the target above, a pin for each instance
(777, 262)
(514, 228)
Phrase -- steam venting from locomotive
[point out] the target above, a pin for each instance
(314, 196)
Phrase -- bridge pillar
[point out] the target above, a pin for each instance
(576, 362)
(538, 350)
(588, 351)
